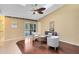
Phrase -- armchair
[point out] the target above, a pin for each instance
(52, 41)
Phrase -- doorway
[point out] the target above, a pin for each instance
(29, 28)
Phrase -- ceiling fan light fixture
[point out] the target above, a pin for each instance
(34, 13)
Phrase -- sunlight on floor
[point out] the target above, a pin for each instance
(9, 47)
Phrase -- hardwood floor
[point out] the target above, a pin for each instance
(21, 45)
(42, 48)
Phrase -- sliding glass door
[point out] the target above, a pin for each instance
(29, 28)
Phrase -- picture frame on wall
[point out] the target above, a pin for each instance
(51, 25)
(14, 24)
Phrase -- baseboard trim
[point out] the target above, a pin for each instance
(70, 43)
(13, 39)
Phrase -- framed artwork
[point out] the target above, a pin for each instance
(14, 24)
(51, 26)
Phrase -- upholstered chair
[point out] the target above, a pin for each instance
(53, 41)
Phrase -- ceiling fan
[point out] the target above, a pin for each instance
(38, 10)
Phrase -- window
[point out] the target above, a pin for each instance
(29, 28)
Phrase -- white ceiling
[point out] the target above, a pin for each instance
(25, 11)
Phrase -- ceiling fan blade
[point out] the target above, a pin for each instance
(40, 12)
(41, 9)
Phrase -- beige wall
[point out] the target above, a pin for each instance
(15, 33)
(66, 23)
